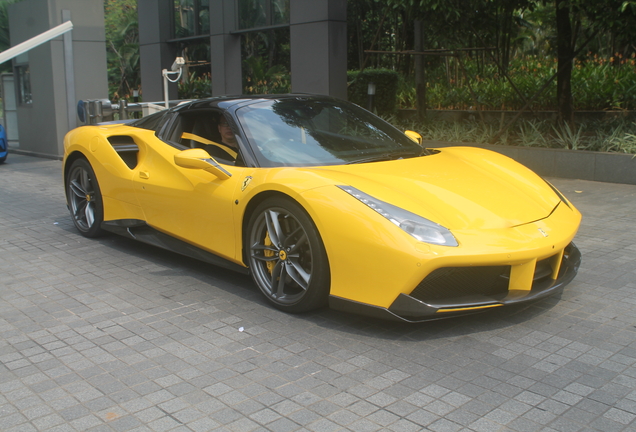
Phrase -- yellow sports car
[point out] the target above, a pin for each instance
(324, 203)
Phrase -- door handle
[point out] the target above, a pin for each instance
(144, 174)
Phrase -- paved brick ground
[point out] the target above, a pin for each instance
(111, 335)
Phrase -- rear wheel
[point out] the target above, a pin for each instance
(287, 257)
(84, 199)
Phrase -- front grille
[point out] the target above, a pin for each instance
(454, 282)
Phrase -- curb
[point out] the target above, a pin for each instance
(34, 154)
(572, 164)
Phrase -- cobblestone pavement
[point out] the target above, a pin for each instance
(112, 335)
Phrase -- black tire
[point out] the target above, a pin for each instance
(84, 199)
(286, 256)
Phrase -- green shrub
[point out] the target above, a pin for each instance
(195, 87)
(616, 135)
(259, 79)
(386, 85)
(597, 84)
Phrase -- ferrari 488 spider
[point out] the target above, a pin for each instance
(324, 203)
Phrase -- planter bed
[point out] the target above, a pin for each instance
(575, 164)
(495, 115)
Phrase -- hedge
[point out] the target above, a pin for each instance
(386, 85)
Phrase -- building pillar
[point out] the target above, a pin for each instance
(46, 108)
(225, 49)
(319, 47)
(155, 29)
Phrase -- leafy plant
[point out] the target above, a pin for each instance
(122, 48)
(386, 85)
(261, 79)
(610, 135)
(530, 134)
(597, 84)
(622, 139)
(195, 87)
(569, 137)
(5, 40)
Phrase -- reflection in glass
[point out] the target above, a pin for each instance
(261, 13)
(303, 132)
(24, 85)
(191, 18)
(280, 12)
(195, 83)
(252, 13)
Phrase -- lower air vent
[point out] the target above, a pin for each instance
(454, 282)
(543, 271)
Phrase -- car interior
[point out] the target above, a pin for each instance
(199, 129)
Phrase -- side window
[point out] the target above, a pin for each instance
(209, 130)
(201, 129)
(151, 122)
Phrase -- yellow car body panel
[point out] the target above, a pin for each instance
(500, 213)
(357, 250)
(359, 245)
(191, 205)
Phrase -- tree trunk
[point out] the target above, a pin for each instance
(272, 49)
(420, 75)
(565, 50)
(360, 44)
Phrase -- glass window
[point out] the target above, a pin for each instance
(151, 122)
(280, 12)
(304, 132)
(24, 84)
(262, 13)
(252, 13)
(204, 17)
(191, 18)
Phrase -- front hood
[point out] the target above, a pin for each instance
(459, 188)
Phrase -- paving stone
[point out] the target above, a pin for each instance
(111, 335)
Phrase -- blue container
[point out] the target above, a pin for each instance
(4, 148)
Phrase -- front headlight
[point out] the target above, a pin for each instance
(420, 228)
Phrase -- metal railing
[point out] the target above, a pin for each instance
(103, 110)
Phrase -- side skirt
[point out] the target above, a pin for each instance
(139, 230)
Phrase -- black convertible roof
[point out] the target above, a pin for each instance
(225, 102)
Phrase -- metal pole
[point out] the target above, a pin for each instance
(370, 95)
(123, 109)
(69, 73)
(165, 87)
(35, 41)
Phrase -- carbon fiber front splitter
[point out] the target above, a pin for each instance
(408, 309)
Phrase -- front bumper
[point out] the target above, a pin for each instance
(463, 297)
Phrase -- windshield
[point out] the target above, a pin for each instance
(306, 132)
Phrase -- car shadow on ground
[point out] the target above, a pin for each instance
(245, 293)
(484, 321)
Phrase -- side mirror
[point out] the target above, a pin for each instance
(200, 159)
(414, 136)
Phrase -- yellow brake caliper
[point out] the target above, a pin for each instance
(268, 253)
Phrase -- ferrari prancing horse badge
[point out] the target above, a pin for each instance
(246, 182)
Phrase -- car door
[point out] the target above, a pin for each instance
(190, 204)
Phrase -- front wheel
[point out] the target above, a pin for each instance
(84, 199)
(287, 257)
